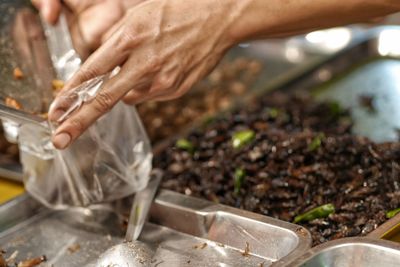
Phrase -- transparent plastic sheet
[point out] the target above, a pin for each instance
(64, 58)
(109, 161)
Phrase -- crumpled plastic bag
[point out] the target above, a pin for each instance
(111, 160)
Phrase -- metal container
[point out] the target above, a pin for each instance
(368, 68)
(350, 252)
(41, 53)
(181, 230)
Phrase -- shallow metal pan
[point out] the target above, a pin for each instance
(179, 228)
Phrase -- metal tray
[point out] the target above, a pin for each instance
(178, 230)
(368, 68)
(350, 252)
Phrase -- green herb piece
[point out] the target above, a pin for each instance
(208, 120)
(316, 142)
(242, 138)
(185, 145)
(273, 113)
(319, 212)
(392, 213)
(239, 176)
(335, 109)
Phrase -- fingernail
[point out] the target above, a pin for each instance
(55, 112)
(47, 14)
(61, 140)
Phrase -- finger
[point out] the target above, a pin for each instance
(79, 121)
(184, 85)
(131, 3)
(164, 89)
(49, 9)
(110, 32)
(104, 60)
(113, 90)
(135, 97)
(36, 3)
(93, 32)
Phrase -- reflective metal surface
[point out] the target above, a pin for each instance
(23, 45)
(369, 67)
(132, 254)
(389, 230)
(363, 252)
(182, 230)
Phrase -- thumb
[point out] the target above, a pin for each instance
(49, 9)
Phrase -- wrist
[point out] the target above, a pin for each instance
(232, 15)
(249, 20)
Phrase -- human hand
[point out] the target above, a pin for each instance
(88, 20)
(163, 48)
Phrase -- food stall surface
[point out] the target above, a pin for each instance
(182, 231)
(187, 231)
(9, 190)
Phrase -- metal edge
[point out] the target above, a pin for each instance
(13, 173)
(385, 228)
(207, 211)
(303, 235)
(336, 63)
(18, 210)
(293, 261)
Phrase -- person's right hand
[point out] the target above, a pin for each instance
(89, 20)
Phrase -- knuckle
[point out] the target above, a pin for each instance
(77, 124)
(178, 94)
(127, 39)
(167, 82)
(181, 91)
(103, 102)
(87, 73)
(164, 83)
(154, 64)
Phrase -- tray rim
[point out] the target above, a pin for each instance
(385, 228)
(309, 254)
(302, 234)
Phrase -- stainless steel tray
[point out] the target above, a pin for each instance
(368, 68)
(183, 231)
(350, 252)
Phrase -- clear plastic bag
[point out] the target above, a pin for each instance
(109, 161)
